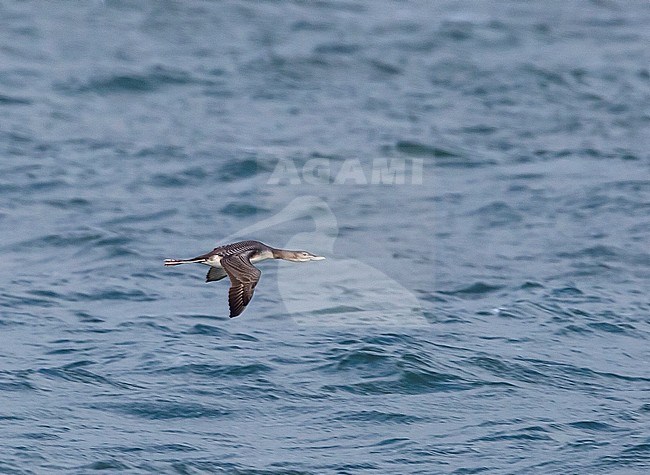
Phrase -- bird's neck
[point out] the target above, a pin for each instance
(281, 254)
(262, 255)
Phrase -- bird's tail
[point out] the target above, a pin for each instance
(175, 262)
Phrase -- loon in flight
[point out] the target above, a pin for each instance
(236, 261)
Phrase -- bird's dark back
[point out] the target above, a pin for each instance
(239, 248)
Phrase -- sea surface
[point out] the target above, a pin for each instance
(477, 175)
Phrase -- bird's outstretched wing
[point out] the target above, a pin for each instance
(214, 274)
(243, 279)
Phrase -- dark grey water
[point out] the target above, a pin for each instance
(477, 174)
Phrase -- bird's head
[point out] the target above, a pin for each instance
(301, 256)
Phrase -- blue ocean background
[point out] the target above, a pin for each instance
(490, 314)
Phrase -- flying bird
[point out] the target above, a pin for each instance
(236, 261)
